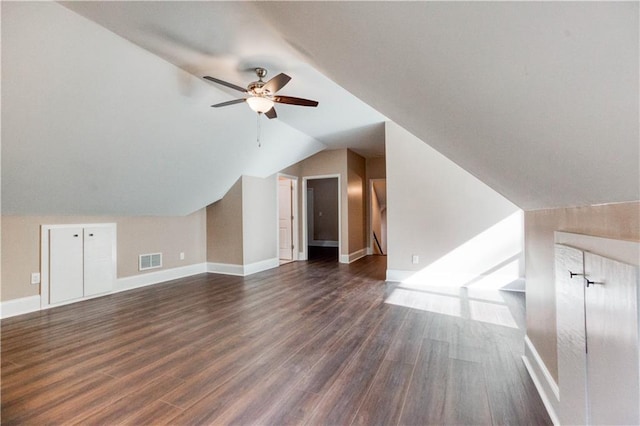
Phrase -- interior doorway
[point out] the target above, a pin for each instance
(322, 217)
(287, 218)
(378, 216)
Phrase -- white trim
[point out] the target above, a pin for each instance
(305, 254)
(323, 243)
(24, 305)
(260, 266)
(398, 275)
(44, 254)
(225, 268)
(302, 256)
(150, 278)
(352, 257)
(242, 270)
(369, 251)
(544, 382)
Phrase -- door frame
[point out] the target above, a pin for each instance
(294, 213)
(44, 258)
(305, 254)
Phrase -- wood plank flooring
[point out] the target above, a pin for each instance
(306, 343)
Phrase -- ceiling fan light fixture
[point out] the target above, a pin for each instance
(260, 104)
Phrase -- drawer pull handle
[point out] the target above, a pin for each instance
(573, 274)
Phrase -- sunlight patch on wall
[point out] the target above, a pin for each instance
(491, 259)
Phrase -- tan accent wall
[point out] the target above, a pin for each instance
(356, 189)
(136, 235)
(621, 221)
(376, 169)
(224, 228)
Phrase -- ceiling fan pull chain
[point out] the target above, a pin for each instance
(258, 132)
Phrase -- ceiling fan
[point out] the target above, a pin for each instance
(262, 95)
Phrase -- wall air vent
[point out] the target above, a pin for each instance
(149, 261)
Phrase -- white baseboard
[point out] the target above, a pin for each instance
(263, 265)
(242, 270)
(142, 280)
(33, 303)
(398, 275)
(301, 256)
(369, 251)
(545, 384)
(352, 257)
(24, 305)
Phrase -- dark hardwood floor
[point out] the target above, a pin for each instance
(306, 343)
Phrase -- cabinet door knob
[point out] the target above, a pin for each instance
(75, 235)
(91, 235)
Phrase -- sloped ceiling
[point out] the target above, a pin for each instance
(537, 99)
(94, 124)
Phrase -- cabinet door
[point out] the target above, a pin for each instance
(612, 341)
(572, 377)
(98, 260)
(65, 264)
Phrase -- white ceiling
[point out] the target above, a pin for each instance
(227, 40)
(537, 99)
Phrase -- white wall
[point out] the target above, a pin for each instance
(459, 227)
(259, 218)
(95, 125)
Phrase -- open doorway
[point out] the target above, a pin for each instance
(378, 215)
(322, 217)
(287, 218)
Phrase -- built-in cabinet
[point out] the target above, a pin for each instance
(81, 261)
(597, 324)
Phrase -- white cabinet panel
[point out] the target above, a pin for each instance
(65, 264)
(98, 260)
(612, 341)
(572, 374)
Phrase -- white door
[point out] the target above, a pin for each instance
(285, 214)
(65, 264)
(98, 260)
(612, 341)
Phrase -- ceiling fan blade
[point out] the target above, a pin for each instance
(271, 113)
(276, 83)
(224, 83)
(233, 102)
(295, 101)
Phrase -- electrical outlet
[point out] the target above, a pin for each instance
(415, 259)
(181, 255)
(35, 278)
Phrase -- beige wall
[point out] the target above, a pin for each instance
(356, 189)
(259, 218)
(325, 201)
(621, 221)
(224, 228)
(136, 235)
(434, 207)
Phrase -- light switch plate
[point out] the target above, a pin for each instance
(35, 278)
(182, 256)
(415, 259)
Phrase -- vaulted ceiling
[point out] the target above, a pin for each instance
(104, 110)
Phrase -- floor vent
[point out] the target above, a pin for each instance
(150, 261)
